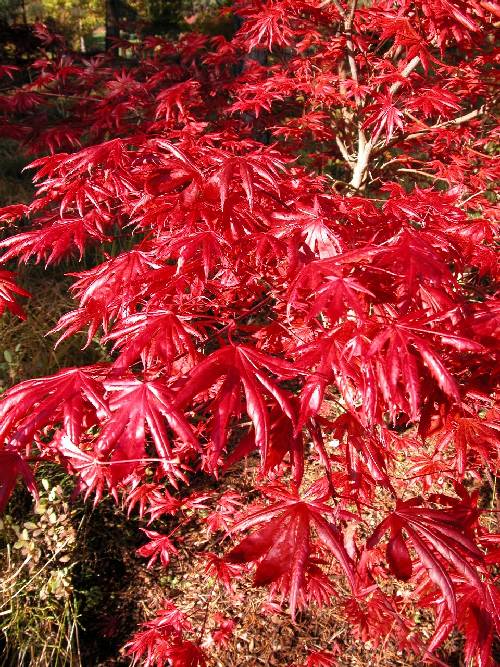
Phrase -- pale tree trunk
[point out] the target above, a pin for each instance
(365, 147)
(80, 35)
(359, 162)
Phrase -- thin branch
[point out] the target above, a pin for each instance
(405, 74)
(345, 153)
(44, 567)
(423, 173)
(465, 118)
(475, 113)
(453, 121)
(365, 147)
(67, 96)
(348, 23)
(339, 8)
(16, 573)
(424, 126)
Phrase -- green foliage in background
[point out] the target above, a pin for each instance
(38, 608)
(82, 21)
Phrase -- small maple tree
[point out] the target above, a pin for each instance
(304, 217)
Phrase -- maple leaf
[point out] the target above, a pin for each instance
(315, 122)
(320, 659)
(478, 618)
(259, 172)
(217, 567)
(434, 100)
(224, 629)
(266, 25)
(134, 405)
(71, 398)
(159, 546)
(162, 640)
(92, 473)
(8, 70)
(158, 335)
(56, 241)
(384, 114)
(12, 466)
(185, 654)
(162, 503)
(114, 285)
(333, 354)
(431, 532)
(238, 366)
(172, 101)
(256, 99)
(398, 364)
(13, 212)
(330, 292)
(226, 506)
(206, 246)
(481, 435)
(360, 441)
(426, 467)
(8, 289)
(283, 545)
(283, 439)
(329, 276)
(377, 618)
(143, 495)
(412, 258)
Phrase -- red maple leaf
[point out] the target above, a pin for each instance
(437, 536)
(71, 398)
(135, 406)
(230, 369)
(384, 115)
(283, 545)
(8, 290)
(159, 546)
(12, 466)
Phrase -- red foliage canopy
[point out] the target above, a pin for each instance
(304, 218)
